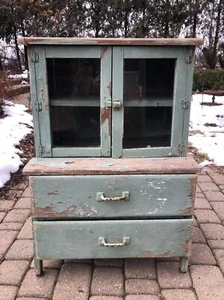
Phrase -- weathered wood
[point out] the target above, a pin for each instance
(103, 166)
(152, 102)
(147, 238)
(110, 41)
(117, 92)
(149, 196)
(178, 120)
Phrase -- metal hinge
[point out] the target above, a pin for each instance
(181, 149)
(35, 57)
(185, 104)
(38, 106)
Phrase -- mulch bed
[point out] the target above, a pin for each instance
(200, 158)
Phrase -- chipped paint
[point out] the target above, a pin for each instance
(43, 99)
(82, 210)
(106, 116)
(193, 181)
(103, 51)
(77, 210)
(162, 199)
(53, 193)
(187, 247)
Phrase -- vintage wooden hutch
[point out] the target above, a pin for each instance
(111, 177)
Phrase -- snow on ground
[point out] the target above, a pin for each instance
(13, 128)
(207, 126)
(24, 75)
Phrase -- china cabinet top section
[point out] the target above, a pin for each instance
(111, 41)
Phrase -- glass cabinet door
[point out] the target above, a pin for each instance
(151, 81)
(78, 94)
(119, 101)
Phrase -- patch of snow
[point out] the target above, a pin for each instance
(207, 127)
(24, 75)
(24, 82)
(13, 128)
(205, 163)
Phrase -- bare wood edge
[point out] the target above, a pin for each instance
(96, 166)
(111, 41)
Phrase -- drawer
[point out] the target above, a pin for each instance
(108, 196)
(112, 239)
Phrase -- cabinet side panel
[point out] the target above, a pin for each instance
(178, 112)
(34, 101)
(188, 92)
(43, 99)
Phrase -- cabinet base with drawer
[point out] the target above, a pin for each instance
(112, 208)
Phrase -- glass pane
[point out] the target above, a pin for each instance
(74, 77)
(75, 126)
(148, 101)
(147, 127)
(148, 78)
(74, 96)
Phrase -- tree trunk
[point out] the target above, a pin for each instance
(25, 49)
(217, 29)
(167, 15)
(17, 49)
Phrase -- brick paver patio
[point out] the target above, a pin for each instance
(118, 279)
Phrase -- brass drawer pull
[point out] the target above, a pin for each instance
(102, 242)
(100, 197)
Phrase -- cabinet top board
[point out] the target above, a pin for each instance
(111, 41)
(108, 166)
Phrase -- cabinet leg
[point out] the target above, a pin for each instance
(183, 264)
(38, 264)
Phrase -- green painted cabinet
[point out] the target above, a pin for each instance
(111, 171)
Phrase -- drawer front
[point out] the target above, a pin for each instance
(112, 239)
(112, 196)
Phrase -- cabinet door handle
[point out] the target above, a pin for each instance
(102, 242)
(100, 197)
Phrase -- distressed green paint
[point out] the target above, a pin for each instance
(34, 101)
(69, 101)
(188, 93)
(117, 94)
(154, 219)
(76, 152)
(151, 52)
(154, 102)
(76, 196)
(144, 152)
(147, 238)
(105, 92)
(179, 95)
(43, 99)
(73, 52)
(112, 63)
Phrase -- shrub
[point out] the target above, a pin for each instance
(208, 79)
